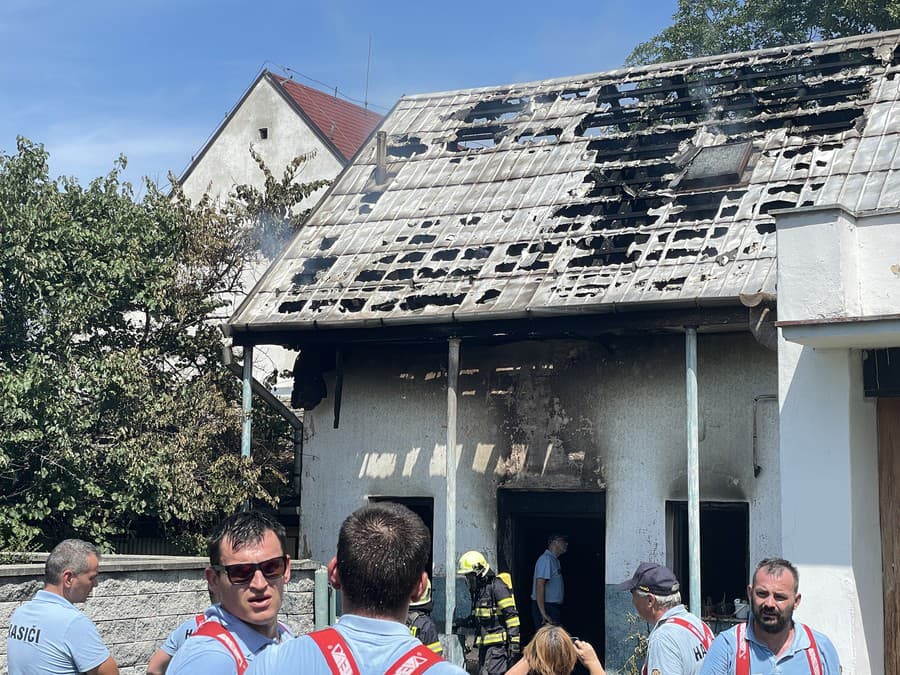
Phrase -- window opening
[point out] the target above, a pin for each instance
(263, 133)
(724, 555)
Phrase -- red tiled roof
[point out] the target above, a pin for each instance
(347, 125)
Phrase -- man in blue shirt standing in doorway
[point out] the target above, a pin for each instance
(547, 590)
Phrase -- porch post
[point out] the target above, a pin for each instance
(693, 467)
(247, 400)
(450, 552)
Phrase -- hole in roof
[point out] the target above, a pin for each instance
(291, 306)
(487, 296)
(546, 135)
(352, 304)
(406, 146)
(496, 109)
(313, 270)
(415, 302)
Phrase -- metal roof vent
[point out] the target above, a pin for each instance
(714, 166)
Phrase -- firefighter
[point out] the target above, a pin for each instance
(495, 615)
(420, 623)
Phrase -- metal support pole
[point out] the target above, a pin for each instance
(247, 400)
(450, 553)
(693, 467)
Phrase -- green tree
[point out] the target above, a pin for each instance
(710, 27)
(114, 405)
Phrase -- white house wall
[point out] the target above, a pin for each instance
(227, 161)
(578, 415)
(829, 500)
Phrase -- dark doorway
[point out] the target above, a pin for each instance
(525, 519)
(724, 553)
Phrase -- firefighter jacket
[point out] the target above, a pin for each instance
(495, 614)
(421, 625)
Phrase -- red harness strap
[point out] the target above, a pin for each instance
(742, 658)
(706, 637)
(218, 632)
(341, 662)
(200, 619)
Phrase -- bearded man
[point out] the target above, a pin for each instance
(772, 642)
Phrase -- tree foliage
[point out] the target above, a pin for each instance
(709, 27)
(114, 405)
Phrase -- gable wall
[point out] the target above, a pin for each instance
(227, 161)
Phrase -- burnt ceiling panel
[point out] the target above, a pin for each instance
(643, 185)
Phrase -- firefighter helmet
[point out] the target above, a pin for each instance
(472, 561)
(425, 599)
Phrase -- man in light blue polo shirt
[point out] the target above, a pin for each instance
(379, 568)
(678, 640)
(48, 634)
(547, 590)
(772, 642)
(247, 573)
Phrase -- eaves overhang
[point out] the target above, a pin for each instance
(718, 315)
(853, 332)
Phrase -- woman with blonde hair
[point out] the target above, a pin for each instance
(554, 652)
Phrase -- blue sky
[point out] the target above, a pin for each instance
(152, 79)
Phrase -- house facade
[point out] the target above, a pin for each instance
(530, 279)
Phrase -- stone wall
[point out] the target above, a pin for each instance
(140, 599)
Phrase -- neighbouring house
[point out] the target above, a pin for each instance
(280, 119)
(521, 276)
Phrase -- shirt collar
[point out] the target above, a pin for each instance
(252, 638)
(669, 613)
(799, 641)
(47, 596)
(367, 624)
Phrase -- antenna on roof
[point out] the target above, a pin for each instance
(368, 67)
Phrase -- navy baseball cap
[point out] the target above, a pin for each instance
(652, 578)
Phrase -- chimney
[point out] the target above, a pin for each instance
(381, 158)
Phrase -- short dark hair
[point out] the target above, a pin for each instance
(381, 553)
(69, 554)
(243, 529)
(775, 567)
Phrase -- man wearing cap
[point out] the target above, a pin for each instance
(772, 642)
(678, 639)
(547, 588)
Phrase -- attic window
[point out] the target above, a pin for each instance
(263, 133)
(715, 166)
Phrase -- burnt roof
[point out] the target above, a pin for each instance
(590, 194)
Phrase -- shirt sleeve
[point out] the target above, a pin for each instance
(663, 655)
(832, 662)
(85, 645)
(178, 636)
(542, 568)
(719, 659)
(202, 655)
(428, 634)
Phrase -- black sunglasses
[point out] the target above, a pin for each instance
(242, 573)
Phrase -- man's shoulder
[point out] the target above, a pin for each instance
(202, 654)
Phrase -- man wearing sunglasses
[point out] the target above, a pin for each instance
(247, 571)
(380, 566)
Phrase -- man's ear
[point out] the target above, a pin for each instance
(796, 601)
(287, 569)
(67, 577)
(750, 593)
(333, 577)
(212, 580)
(419, 588)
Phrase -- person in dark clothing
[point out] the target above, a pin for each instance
(420, 623)
(495, 613)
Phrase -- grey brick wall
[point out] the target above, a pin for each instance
(140, 599)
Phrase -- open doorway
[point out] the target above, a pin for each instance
(525, 519)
